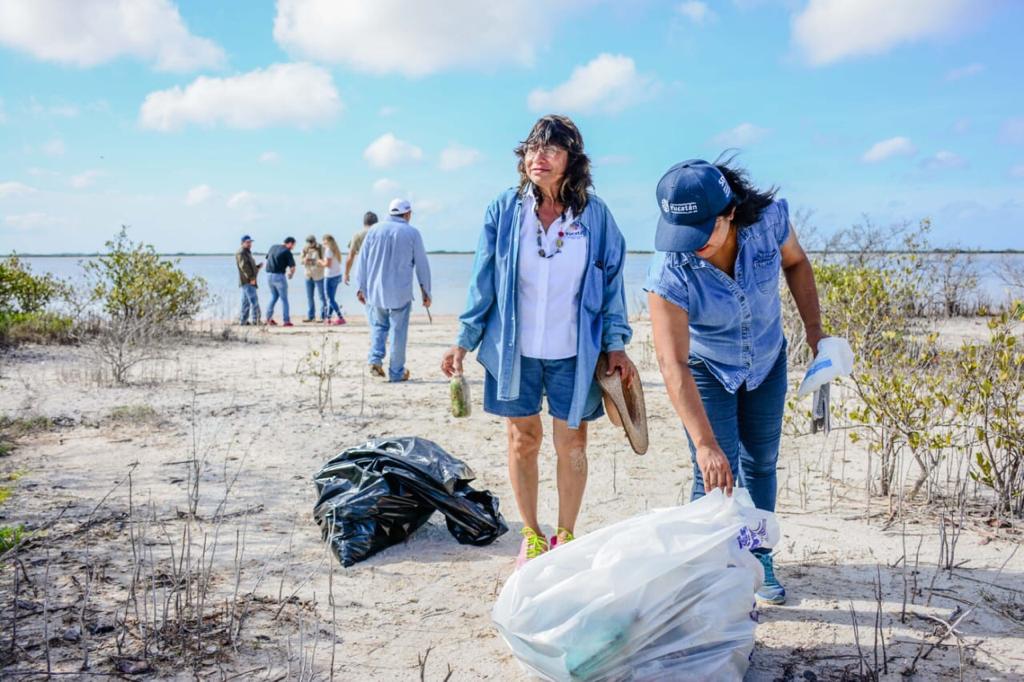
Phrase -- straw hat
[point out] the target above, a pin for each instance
(628, 402)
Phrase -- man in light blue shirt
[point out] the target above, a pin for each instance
(392, 250)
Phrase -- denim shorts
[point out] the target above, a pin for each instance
(554, 378)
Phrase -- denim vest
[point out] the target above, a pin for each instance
(489, 320)
(735, 323)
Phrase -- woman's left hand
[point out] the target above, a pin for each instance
(618, 360)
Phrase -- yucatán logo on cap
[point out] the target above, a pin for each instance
(685, 208)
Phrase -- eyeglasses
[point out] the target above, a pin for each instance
(545, 150)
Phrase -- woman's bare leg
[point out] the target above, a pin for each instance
(571, 448)
(524, 439)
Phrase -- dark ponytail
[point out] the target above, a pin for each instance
(748, 201)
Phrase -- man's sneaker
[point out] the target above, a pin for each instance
(405, 376)
(287, 324)
(771, 591)
(561, 537)
(340, 321)
(377, 371)
(533, 546)
(309, 319)
(271, 322)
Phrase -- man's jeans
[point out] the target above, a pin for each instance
(278, 289)
(250, 304)
(316, 285)
(395, 320)
(747, 426)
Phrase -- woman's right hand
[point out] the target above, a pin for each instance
(451, 363)
(714, 467)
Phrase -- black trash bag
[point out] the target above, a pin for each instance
(377, 494)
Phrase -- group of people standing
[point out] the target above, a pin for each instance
(385, 255)
(546, 299)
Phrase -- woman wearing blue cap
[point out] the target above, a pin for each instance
(716, 316)
(545, 299)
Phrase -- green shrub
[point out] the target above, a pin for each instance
(132, 282)
(24, 298)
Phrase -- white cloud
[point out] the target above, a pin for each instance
(742, 135)
(387, 150)
(455, 156)
(28, 221)
(387, 186)
(86, 178)
(241, 200)
(301, 95)
(942, 160)
(198, 195)
(886, 149)
(10, 189)
(54, 147)
(85, 34)
(828, 31)
(697, 12)
(1012, 131)
(609, 83)
(269, 157)
(965, 71)
(413, 38)
(63, 110)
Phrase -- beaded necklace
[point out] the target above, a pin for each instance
(559, 242)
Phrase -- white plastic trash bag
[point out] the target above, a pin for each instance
(834, 359)
(668, 595)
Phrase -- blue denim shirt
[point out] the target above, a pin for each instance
(735, 323)
(489, 320)
(391, 251)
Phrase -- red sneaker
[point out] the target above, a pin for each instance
(271, 322)
(340, 321)
(287, 324)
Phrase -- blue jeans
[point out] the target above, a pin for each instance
(748, 428)
(278, 290)
(316, 285)
(332, 288)
(250, 304)
(395, 321)
(537, 378)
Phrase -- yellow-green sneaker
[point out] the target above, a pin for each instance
(533, 546)
(561, 536)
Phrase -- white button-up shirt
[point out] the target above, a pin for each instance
(549, 288)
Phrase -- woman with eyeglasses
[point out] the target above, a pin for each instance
(545, 299)
(716, 317)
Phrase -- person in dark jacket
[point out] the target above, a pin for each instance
(247, 272)
(280, 268)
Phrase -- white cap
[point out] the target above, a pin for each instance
(399, 207)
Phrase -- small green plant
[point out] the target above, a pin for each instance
(133, 414)
(320, 364)
(11, 536)
(5, 494)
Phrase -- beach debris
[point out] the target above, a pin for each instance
(377, 494)
(665, 595)
(461, 402)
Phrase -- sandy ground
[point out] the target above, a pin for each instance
(240, 407)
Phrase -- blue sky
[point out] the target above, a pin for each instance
(195, 121)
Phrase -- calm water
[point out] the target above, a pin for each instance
(450, 274)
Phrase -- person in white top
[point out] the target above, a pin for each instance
(546, 298)
(332, 264)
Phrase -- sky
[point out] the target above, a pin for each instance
(195, 122)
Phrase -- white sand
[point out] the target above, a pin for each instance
(255, 413)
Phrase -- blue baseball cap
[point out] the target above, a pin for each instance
(691, 196)
(246, 238)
